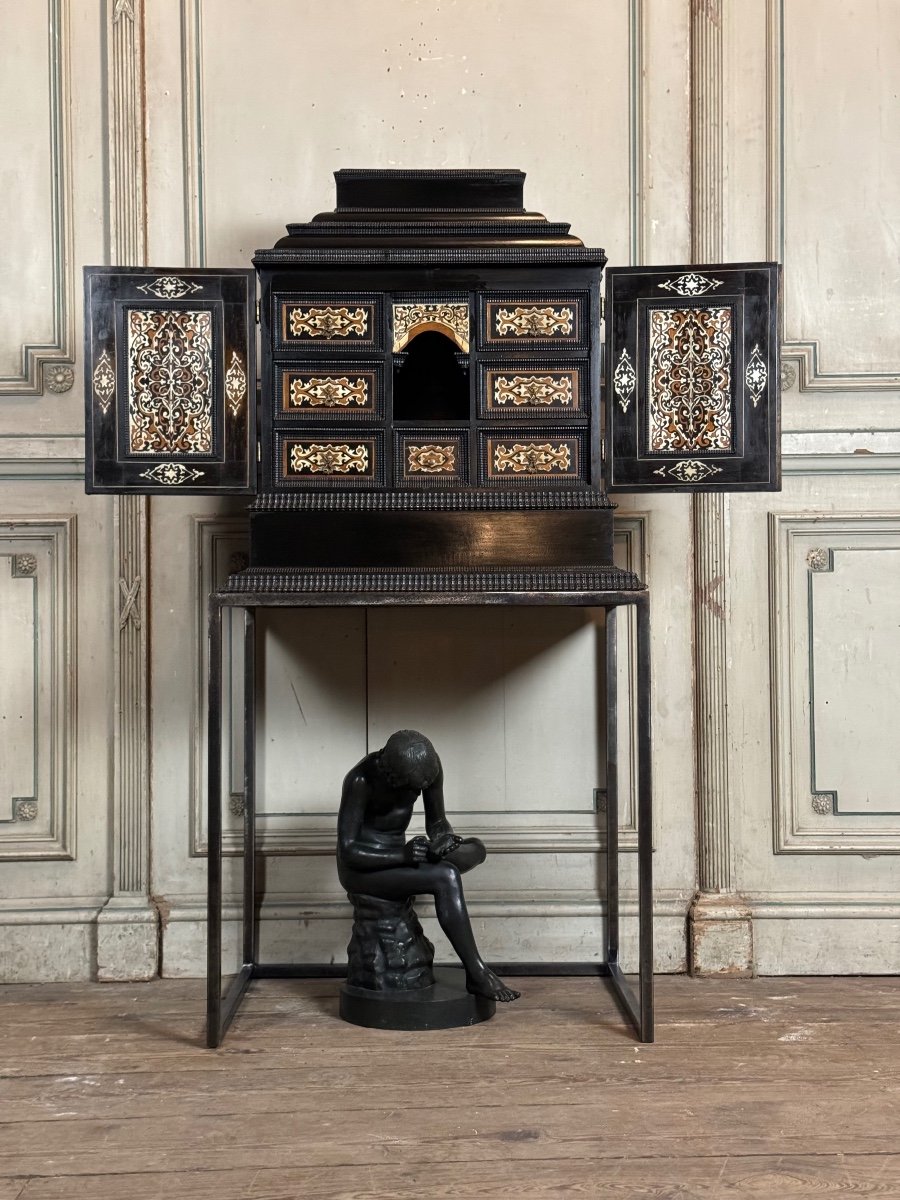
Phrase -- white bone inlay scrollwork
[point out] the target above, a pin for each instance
(624, 380)
(691, 284)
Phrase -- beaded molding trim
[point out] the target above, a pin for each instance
(479, 501)
(571, 579)
(580, 255)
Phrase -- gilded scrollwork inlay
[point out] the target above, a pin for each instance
(691, 284)
(411, 319)
(329, 458)
(624, 380)
(104, 380)
(689, 380)
(329, 322)
(329, 391)
(756, 376)
(542, 321)
(170, 287)
(431, 459)
(170, 376)
(235, 384)
(532, 458)
(534, 391)
(171, 474)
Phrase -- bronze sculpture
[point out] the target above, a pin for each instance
(383, 872)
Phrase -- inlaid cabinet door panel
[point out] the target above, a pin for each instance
(170, 380)
(693, 378)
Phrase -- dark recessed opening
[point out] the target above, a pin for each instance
(430, 382)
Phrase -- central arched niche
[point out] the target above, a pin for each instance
(431, 379)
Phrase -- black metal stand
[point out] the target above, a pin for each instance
(221, 1008)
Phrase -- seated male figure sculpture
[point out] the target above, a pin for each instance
(375, 859)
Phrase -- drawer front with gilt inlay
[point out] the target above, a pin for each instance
(533, 321)
(430, 458)
(340, 391)
(526, 457)
(523, 390)
(332, 459)
(327, 322)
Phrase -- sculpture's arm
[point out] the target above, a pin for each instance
(353, 849)
(438, 828)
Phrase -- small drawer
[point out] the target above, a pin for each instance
(431, 458)
(324, 321)
(528, 320)
(523, 457)
(523, 389)
(340, 392)
(329, 459)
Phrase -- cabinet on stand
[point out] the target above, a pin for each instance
(439, 422)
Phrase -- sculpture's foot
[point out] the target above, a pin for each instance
(486, 983)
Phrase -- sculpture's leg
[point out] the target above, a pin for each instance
(453, 918)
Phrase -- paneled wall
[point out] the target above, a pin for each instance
(189, 132)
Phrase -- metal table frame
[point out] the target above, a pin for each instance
(638, 1008)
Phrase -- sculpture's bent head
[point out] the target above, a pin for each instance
(408, 760)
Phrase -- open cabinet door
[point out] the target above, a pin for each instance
(693, 378)
(170, 380)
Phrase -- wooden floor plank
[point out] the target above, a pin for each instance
(759, 1088)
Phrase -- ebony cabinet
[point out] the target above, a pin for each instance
(433, 349)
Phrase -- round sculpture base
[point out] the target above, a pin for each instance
(444, 1005)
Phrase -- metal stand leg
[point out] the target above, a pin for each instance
(645, 822)
(214, 1030)
(221, 1009)
(249, 915)
(638, 1008)
(612, 792)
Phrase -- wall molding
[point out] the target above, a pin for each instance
(40, 553)
(804, 352)
(800, 824)
(47, 365)
(41, 457)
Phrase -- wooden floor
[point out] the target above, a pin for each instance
(767, 1088)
